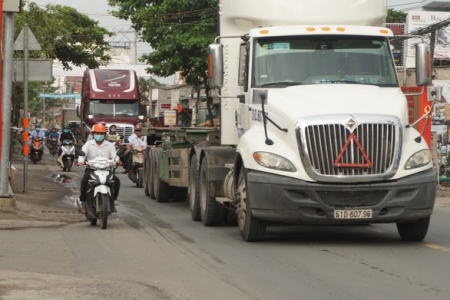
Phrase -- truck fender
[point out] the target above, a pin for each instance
(102, 189)
(216, 158)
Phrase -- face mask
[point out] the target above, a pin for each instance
(37, 129)
(113, 130)
(66, 130)
(99, 138)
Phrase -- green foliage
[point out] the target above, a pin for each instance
(63, 34)
(394, 16)
(66, 35)
(179, 32)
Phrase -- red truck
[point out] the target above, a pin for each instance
(110, 96)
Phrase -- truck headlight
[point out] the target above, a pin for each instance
(418, 159)
(273, 161)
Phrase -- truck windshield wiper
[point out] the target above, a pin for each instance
(343, 80)
(282, 83)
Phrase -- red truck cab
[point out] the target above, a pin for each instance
(112, 97)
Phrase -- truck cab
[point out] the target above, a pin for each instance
(112, 97)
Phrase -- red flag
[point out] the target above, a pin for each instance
(179, 108)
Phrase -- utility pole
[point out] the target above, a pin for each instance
(7, 66)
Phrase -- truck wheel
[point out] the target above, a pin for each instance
(252, 229)
(179, 193)
(145, 173)
(162, 192)
(194, 187)
(153, 173)
(415, 231)
(211, 211)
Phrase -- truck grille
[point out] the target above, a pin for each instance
(124, 131)
(356, 149)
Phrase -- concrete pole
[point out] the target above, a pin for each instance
(25, 100)
(8, 41)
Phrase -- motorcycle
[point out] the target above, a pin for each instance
(52, 145)
(137, 165)
(99, 199)
(37, 150)
(68, 154)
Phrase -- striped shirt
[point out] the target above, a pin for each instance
(92, 150)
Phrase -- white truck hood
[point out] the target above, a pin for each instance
(298, 101)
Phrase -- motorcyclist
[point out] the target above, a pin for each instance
(98, 147)
(65, 135)
(37, 133)
(53, 134)
(112, 135)
(134, 140)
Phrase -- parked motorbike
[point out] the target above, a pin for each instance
(52, 145)
(36, 150)
(68, 154)
(137, 165)
(99, 199)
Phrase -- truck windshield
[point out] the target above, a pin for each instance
(287, 61)
(113, 108)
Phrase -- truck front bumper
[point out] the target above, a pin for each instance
(283, 199)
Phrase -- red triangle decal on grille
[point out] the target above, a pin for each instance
(353, 137)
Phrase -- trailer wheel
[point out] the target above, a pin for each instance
(145, 175)
(194, 189)
(251, 228)
(211, 211)
(414, 231)
(162, 188)
(153, 173)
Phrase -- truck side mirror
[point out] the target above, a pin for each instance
(423, 67)
(215, 63)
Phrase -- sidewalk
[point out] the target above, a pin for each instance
(49, 201)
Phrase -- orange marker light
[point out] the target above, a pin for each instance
(340, 29)
(264, 31)
(384, 31)
(325, 29)
(310, 29)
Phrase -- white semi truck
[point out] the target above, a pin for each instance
(304, 137)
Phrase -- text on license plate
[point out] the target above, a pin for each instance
(353, 214)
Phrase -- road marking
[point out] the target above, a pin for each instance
(437, 247)
(375, 230)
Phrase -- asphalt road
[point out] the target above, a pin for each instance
(154, 250)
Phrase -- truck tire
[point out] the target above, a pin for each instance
(162, 192)
(415, 231)
(145, 172)
(251, 228)
(179, 193)
(194, 188)
(153, 173)
(211, 211)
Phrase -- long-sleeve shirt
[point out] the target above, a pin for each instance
(92, 150)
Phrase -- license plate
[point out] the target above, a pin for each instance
(353, 214)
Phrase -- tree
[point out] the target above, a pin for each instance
(63, 34)
(179, 32)
(66, 35)
(394, 16)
